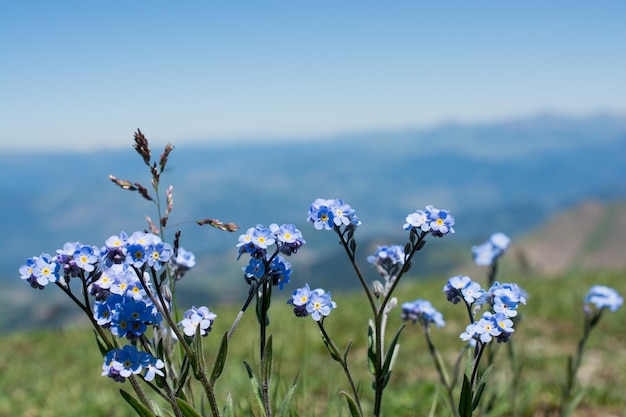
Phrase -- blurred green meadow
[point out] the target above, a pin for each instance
(57, 372)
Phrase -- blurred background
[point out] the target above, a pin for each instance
(510, 115)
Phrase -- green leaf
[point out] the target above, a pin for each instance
(345, 353)
(331, 351)
(187, 409)
(350, 229)
(482, 381)
(284, 409)
(256, 390)
(160, 348)
(392, 351)
(139, 408)
(479, 393)
(198, 358)
(465, 402)
(574, 403)
(371, 348)
(353, 246)
(263, 304)
(354, 409)
(220, 360)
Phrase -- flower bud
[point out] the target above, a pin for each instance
(378, 288)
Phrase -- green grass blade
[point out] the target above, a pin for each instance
(256, 390)
(285, 407)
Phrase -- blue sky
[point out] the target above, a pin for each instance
(84, 75)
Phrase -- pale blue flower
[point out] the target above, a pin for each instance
(422, 311)
(417, 220)
(86, 257)
(393, 254)
(488, 252)
(317, 303)
(127, 361)
(45, 270)
(262, 237)
(342, 212)
(197, 318)
(486, 328)
(321, 215)
(152, 366)
(471, 292)
(440, 221)
(604, 297)
(454, 287)
(320, 305)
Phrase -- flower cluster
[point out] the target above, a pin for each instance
(183, 262)
(317, 303)
(462, 287)
(197, 319)
(387, 256)
(329, 213)
(489, 326)
(120, 363)
(431, 220)
(117, 276)
(502, 298)
(488, 252)
(38, 271)
(126, 315)
(604, 297)
(138, 249)
(423, 312)
(505, 298)
(287, 240)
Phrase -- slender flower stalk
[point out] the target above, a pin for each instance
(598, 299)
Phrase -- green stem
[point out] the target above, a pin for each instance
(443, 376)
(264, 305)
(568, 389)
(85, 308)
(140, 393)
(344, 364)
(161, 305)
(379, 319)
(480, 348)
(357, 270)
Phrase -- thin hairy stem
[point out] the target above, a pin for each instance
(344, 364)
